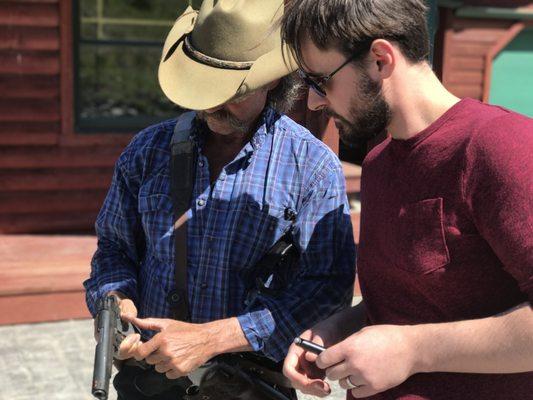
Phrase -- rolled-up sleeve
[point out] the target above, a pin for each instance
(326, 273)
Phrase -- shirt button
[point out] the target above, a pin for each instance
(201, 163)
(203, 286)
(174, 297)
(201, 203)
(222, 177)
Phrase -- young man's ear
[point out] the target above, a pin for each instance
(383, 59)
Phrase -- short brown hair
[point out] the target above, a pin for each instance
(350, 26)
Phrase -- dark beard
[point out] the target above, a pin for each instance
(369, 113)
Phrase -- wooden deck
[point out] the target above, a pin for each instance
(41, 277)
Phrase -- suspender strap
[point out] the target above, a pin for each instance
(182, 173)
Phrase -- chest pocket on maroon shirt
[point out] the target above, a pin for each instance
(419, 235)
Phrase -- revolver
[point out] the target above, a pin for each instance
(110, 332)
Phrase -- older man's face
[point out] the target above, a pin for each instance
(237, 116)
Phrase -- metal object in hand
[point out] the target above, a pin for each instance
(309, 346)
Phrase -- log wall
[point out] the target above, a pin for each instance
(54, 180)
(51, 180)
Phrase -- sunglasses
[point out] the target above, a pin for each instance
(318, 83)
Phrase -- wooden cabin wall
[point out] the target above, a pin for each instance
(52, 179)
(48, 182)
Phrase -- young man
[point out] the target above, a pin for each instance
(446, 248)
(258, 176)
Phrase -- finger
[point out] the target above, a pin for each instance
(291, 367)
(163, 367)
(293, 355)
(143, 350)
(296, 370)
(350, 381)
(310, 357)
(156, 358)
(174, 374)
(307, 335)
(127, 307)
(331, 356)
(338, 371)
(128, 346)
(318, 388)
(151, 324)
(363, 391)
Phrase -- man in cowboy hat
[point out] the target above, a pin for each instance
(445, 256)
(258, 177)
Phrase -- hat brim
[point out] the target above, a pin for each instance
(196, 86)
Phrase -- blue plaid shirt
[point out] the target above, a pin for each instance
(232, 223)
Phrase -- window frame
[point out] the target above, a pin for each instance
(69, 137)
(100, 130)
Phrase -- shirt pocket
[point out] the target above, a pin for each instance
(420, 241)
(157, 221)
(256, 230)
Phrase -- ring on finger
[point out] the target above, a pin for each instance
(349, 384)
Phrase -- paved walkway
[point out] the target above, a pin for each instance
(53, 361)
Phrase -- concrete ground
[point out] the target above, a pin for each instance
(54, 361)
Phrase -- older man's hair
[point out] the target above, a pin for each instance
(350, 26)
(283, 97)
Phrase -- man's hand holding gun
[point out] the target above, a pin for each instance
(115, 339)
(128, 311)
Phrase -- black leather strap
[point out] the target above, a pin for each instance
(182, 173)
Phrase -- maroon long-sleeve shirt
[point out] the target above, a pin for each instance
(447, 235)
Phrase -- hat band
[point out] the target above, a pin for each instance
(212, 61)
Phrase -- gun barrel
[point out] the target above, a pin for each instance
(100, 394)
(103, 358)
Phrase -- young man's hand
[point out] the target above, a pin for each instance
(300, 365)
(373, 360)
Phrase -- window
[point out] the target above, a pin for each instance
(117, 49)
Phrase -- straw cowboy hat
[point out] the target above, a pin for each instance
(227, 49)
